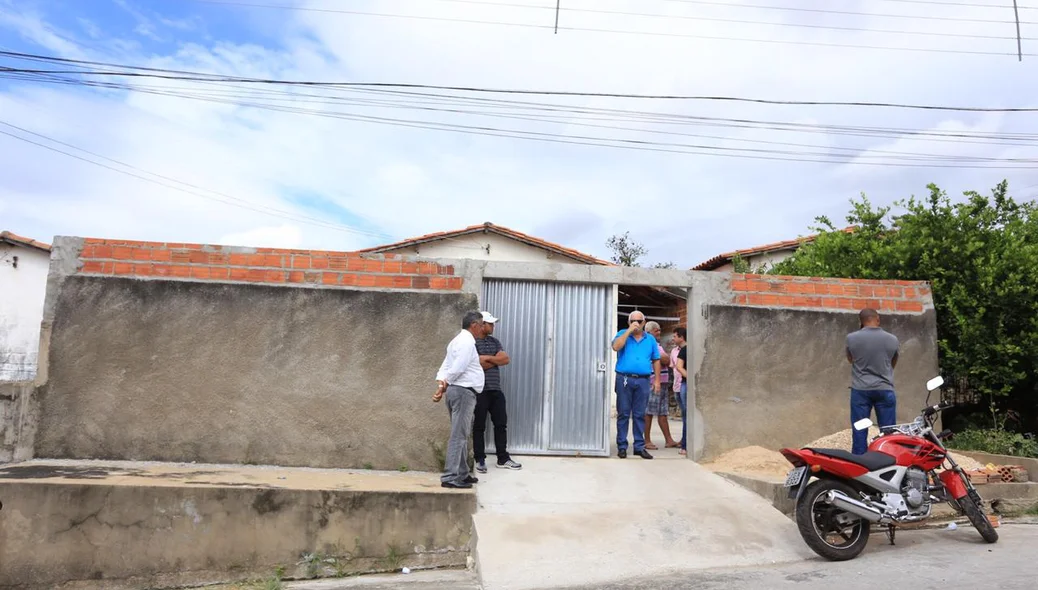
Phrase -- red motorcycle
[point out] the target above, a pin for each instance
(906, 470)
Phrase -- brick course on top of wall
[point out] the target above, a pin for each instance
(201, 262)
(834, 294)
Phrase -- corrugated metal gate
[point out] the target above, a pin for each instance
(558, 382)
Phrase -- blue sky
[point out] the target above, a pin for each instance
(336, 175)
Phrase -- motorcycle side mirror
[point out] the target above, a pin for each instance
(863, 424)
(934, 383)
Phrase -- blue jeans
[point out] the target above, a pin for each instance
(862, 402)
(683, 400)
(632, 397)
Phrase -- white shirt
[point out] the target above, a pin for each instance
(461, 365)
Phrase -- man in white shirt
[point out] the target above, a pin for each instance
(461, 378)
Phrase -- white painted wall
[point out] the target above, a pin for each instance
(22, 290)
(485, 247)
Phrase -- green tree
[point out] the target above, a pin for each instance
(626, 252)
(981, 257)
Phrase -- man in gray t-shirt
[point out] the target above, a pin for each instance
(873, 354)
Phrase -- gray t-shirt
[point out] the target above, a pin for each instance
(873, 351)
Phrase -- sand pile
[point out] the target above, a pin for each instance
(760, 461)
(751, 461)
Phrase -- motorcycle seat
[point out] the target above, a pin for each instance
(871, 460)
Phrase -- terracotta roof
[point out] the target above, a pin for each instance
(18, 240)
(494, 229)
(723, 259)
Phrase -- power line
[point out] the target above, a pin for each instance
(946, 3)
(843, 12)
(227, 200)
(630, 32)
(556, 113)
(441, 106)
(629, 13)
(199, 76)
(645, 145)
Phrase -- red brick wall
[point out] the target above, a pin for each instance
(261, 265)
(834, 294)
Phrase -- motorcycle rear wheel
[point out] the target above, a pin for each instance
(978, 519)
(818, 522)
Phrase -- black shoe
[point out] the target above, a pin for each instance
(451, 484)
(471, 479)
(622, 453)
(643, 454)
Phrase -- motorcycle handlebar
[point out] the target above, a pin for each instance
(937, 408)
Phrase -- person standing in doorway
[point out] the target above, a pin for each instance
(492, 357)
(681, 372)
(461, 379)
(659, 399)
(638, 360)
(872, 353)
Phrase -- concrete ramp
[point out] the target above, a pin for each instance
(572, 521)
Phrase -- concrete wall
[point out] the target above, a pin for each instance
(770, 360)
(71, 527)
(485, 246)
(196, 367)
(15, 396)
(23, 283)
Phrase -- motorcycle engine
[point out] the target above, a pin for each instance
(914, 488)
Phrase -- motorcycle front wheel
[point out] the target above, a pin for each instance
(978, 519)
(830, 532)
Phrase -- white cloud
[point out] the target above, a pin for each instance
(404, 181)
(284, 236)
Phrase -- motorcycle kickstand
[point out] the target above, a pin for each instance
(890, 533)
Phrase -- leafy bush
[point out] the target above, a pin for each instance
(998, 442)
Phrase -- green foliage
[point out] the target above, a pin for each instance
(626, 252)
(995, 441)
(740, 264)
(981, 257)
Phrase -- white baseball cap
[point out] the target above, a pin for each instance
(489, 318)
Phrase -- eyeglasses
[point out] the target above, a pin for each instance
(637, 321)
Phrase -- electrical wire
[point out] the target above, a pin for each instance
(645, 145)
(142, 72)
(206, 94)
(192, 189)
(699, 18)
(641, 33)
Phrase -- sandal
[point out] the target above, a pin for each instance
(651, 447)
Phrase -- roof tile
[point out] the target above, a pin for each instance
(13, 238)
(496, 229)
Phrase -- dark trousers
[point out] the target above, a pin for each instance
(862, 403)
(491, 401)
(632, 399)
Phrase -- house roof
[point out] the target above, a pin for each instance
(494, 229)
(17, 240)
(723, 259)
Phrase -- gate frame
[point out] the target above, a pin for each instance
(702, 290)
(547, 411)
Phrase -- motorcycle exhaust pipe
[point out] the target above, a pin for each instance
(848, 504)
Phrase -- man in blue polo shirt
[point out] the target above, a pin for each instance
(638, 360)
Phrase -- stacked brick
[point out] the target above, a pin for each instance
(832, 294)
(198, 262)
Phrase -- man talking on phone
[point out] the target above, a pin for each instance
(637, 361)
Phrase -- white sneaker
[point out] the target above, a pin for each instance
(481, 466)
(509, 464)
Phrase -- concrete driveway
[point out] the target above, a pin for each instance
(922, 560)
(595, 521)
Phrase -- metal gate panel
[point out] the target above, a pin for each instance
(578, 397)
(523, 331)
